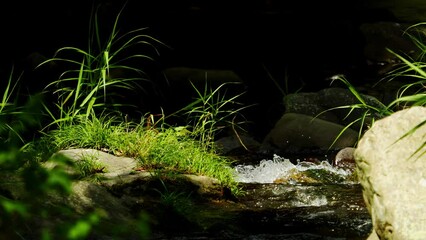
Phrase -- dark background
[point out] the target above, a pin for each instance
(305, 42)
(215, 34)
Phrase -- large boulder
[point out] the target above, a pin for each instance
(391, 167)
(117, 172)
(119, 192)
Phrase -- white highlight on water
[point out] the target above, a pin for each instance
(306, 200)
(268, 170)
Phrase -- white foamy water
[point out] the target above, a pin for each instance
(269, 170)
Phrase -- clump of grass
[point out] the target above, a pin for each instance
(84, 133)
(177, 200)
(133, 139)
(91, 82)
(174, 153)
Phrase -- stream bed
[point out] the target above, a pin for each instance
(277, 205)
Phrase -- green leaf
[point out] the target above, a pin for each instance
(82, 228)
(12, 207)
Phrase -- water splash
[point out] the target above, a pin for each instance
(304, 200)
(269, 170)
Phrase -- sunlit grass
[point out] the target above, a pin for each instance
(165, 149)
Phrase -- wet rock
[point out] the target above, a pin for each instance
(112, 166)
(87, 196)
(391, 169)
(295, 176)
(121, 172)
(206, 186)
(345, 159)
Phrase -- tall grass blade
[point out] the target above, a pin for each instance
(412, 65)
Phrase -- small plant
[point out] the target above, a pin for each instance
(177, 200)
(368, 113)
(89, 166)
(211, 112)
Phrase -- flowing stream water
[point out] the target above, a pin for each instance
(303, 201)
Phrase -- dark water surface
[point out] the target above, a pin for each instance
(278, 211)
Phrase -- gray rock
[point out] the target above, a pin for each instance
(226, 145)
(295, 132)
(87, 196)
(392, 174)
(345, 159)
(113, 166)
(121, 171)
